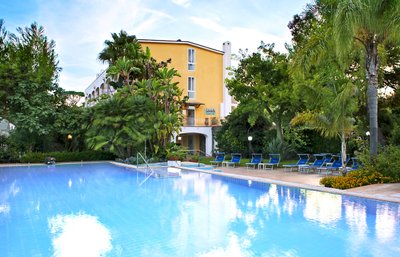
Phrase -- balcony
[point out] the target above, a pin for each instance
(203, 122)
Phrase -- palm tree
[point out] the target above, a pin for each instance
(122, 71)
(327, 86)
(334, 118)
(121, 45)
(370, 23)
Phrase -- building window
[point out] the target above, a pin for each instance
(191, 59)
(191, 88)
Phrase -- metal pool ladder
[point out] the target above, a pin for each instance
(148, 172)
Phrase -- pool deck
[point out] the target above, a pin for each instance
(383, 192)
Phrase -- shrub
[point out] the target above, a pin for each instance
(356, 179)
(175, 153)
(8, 151)
(387, 162)
(192, 158)
(38, 157)
(277, 146)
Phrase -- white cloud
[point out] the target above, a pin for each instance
(210, 24)
(233, 249)
(81, 27)
(183, 3)
(240, 37)
(79, 235)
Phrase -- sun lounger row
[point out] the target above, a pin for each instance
(220, 159)
(257, 161)
(327, 163)
(323, 163)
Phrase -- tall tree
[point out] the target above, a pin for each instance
(329, 87)
(28, 76)
(7, 76)
(370, 23)
(262, 81)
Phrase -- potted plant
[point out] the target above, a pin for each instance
(214, 121)
(193, 158)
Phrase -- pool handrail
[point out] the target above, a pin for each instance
(147, 165)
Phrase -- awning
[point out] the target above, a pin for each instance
(195, 104)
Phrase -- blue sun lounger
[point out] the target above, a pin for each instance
(318, 162)
(330, 167)
(256, 158)
(219, 158)
(274, 160)
(303, 160)
(235, 160)
(355, 164)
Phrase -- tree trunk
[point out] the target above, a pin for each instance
(344, 155)
(372, 66)
(279, 133)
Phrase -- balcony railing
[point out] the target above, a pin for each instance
(204, 122)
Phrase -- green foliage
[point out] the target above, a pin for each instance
(146, 109)
(128, 62)
(38, 157)
(277, 146)
(356, 179)
(232, 135)
(383, 169)
(261, 82)
(30, 96)
(175, 153)
(192, 158)
(387, 162)
(8, 150)
(370, 24)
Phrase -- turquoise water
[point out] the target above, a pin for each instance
(99, 210)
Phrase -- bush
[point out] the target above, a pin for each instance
(8, 151)
(175, 153)
(38, 157)
(276, 146)
(356, 179)
(192, 158)
(387, 162)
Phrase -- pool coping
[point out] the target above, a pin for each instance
(243, 177)
(304, 186)
(285, 183)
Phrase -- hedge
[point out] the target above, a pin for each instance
(356, 179)
(38, 157)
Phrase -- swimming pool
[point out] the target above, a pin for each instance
(99, 210)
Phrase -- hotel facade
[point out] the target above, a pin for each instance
(203, 71)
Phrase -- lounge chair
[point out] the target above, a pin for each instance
(303, 160)
(328, 159)
(318, 162)
(256, 158)
(274, 160)
(235, 160)
(219, 158)
(331, 166)
(355, 164)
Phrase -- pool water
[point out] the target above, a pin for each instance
(100, 210)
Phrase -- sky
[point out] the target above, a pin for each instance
(80, 27)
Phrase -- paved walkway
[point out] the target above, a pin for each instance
(385, 192)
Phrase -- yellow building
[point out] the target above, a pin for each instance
(203, 71)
